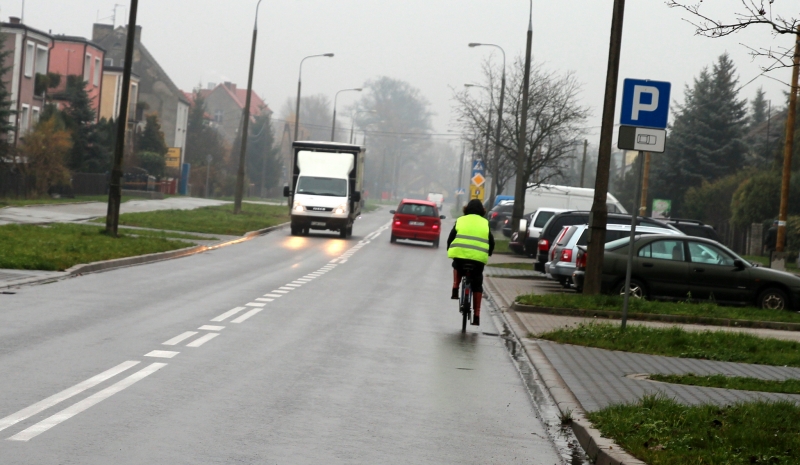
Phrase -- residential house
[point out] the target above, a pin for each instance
(81, 58)
(157, 93)
(225, 104)
(29, 51)
(111, 95)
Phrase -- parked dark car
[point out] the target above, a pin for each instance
(507, 224)
(676, 267)
(541, 246)
(498, 214)
(694, 228)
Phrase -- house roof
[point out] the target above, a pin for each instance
(77, 39)
(239, 96)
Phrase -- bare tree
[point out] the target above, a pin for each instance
(555, 117)
(749, 13)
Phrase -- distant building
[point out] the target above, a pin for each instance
(157, 93)
(29, 54)
(112, 95)
(225, 104)
(76, 56)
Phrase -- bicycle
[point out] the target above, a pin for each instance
(465, 296)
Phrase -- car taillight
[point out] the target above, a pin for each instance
(494, 215)
(397, 222)
(566, 255)
(581, 261)
(435, 226)
(544, 245)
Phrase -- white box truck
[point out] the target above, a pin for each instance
(325, 191)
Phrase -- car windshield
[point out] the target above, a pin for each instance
(311, 185)
(416, 209)
(541, 219)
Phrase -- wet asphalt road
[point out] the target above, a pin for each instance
(361, 362)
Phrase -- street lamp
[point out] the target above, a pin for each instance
(496, 156)
(299, 85)
(237, 201)
(336, 97)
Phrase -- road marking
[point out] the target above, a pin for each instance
(300, 281)
(228, 314)
(161, 354)
(284, 288)
(202, 340)
(255, 304)
(247, 315)
(273, 295)
(211, 328)
(261, 299)
(69, 412)
(179, 338)
(293, 286)
(45, 404)
(343, 261)
(305, 280)
(280, 292)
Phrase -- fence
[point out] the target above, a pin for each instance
(13, 184)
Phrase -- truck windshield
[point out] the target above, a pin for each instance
(333, 187)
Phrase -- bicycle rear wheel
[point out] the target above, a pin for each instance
(466, 304)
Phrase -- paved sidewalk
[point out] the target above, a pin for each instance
(598, 378)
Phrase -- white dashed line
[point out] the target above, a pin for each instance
(175, 340)
(211, 328)
(247, 315)
(293, 286)
(255, 304)
(275, 296)
(300, 281)
(280, 292)
(228, 314)
(45, 404)
(161, 354)
(69, 412)
(284, 288)
(261, 299)
(202, 340)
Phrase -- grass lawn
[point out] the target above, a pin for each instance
(614, 303)
(764, 261)
(171, 235)
(48, 200)
(502, 247)
(60, 246)
(789, 386)
(660, 431)
(513, 266)
(210, 220)
(675, 342)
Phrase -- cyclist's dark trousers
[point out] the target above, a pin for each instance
(476, 274)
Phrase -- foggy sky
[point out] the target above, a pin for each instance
(421, 41)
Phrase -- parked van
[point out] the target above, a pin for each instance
(566, 198)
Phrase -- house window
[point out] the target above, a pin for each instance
(218, 116)
(109, 62)
(24, 120)
(87, 68)
(35, 116)
(41, 60)
(97, 70)
(30, 56)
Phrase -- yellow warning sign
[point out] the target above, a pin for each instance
(173, 157)
(478, 179)
(476, 192)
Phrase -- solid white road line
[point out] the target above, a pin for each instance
(202, 340)
(64, 395)
(69, 412)
(179, 338)
(247, 315)
(211, 328)
(161, 354)
(228, 314)
(255, 304)
(261, 299)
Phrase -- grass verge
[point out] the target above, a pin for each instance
(700, 309)
(49, 200)
(501, 247)
(660, 431)
(764, 261)
(210, 220)
(166, 234)
(60, 246)
(675, 342)
(512, 266)
(789, 386)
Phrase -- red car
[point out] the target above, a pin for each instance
(416, 220)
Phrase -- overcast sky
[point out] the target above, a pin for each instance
(423, 42)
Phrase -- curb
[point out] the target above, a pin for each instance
(603, 451)
(107, 265)
(687, 319)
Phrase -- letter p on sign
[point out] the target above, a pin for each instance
(645, 103)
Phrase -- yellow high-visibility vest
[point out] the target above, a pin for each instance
(472, 239)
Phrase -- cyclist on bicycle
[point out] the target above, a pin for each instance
(471, 241)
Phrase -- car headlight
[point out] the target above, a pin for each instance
(340, 209)
(298, 207)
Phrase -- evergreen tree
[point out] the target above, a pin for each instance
(262, 159)
(152, 138)
(88, 154)
(202, 142)
(758, 109)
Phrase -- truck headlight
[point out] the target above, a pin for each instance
(298, 207)
(340, 209)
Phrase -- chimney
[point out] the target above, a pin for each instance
(138, 34)
(14, 20)
(100, 31)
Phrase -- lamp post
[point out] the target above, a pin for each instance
(299, 85)
(496, 155)
(237, 201)
(335, 98)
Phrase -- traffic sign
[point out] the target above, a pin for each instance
(645, 103)
(476, 192)
(641, 139)
(478, 165)
(478, 179)
(461, 191)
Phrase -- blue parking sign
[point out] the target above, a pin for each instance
(645, 103)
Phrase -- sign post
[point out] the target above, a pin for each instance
(477, 181)
(643, 123)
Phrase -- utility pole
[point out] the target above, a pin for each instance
(599, 214)
(645, 181)
(237, 202)
(522, 181)
(583, 163)
(115, 184)
(788, 147)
